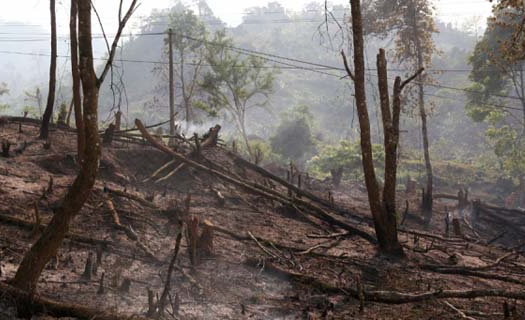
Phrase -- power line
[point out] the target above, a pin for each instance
(472, 91)
(479, 103)
(272, 58)
(286, 67)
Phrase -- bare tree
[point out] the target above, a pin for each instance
(47, 245)
(383, 208)
(35, 97)
(48, 113)
(75, 73)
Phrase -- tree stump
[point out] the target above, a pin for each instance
(6, 145)
(411, 186)
(457, 227)
(88, 269)
(107, 139)
(205, 243)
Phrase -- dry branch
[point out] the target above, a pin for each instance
(257, 189)
(42, 305)
(130, 196)
(388, 297)
(128, 231)
(210, 140)
(462, 314)
(300, 192)
(163, 299)
(73, 237)
(465, 271)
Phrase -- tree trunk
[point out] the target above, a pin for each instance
(77, 103)
(391, 142)
(118, 120)
(386, 233)
(337, 176)
(44, 129)
(47, 245)
(427, 204)
(242, 127)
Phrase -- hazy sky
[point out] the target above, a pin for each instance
(36, 11)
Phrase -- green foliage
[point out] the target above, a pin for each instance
(510, 148)
(188, 58)
(414, 25)
(346, 155)
(497, 73)
(258, 146)
(234, 81)
(492, 73)
(293, 139)
(32, 112)
(514, 10)
(3, 91)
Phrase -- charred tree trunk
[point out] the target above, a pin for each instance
(383, 209)
(118, 119)
(386, 233)
(46, 247)
(48, 113)
(391, 141)
(77, 103)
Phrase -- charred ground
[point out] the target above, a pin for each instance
(269, 260)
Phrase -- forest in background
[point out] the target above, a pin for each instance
(307, 103)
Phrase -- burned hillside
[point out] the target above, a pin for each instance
(259, 250)
(361, 159)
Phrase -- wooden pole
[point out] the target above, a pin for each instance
(172, 86)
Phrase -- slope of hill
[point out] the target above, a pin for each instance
(264, 255)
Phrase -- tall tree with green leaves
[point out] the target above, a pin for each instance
(188, 40)
(293, 139)
(414, 26)
(236, 83)
(497, 95)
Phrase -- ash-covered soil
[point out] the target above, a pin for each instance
(268, 261)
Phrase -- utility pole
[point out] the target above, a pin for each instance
(172, 87)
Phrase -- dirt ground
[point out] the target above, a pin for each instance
(242, 278)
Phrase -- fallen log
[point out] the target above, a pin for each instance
(431, 235)
(445, 196)
(465, 271)
(300, 192)
(257, 189)
(496, 208)
(258, 240)
(46, 306)
(394, 297)
(387, 297)
(491, 215)
(210, 140)
(135, 129)
(31, 226)
(130, 196)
